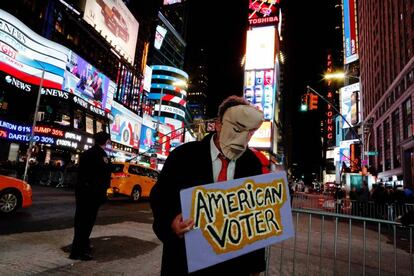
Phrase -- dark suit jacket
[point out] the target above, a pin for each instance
(94, 175)
(187, 166)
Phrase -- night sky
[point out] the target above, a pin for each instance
(309, 32)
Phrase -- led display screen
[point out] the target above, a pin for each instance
(259, 89)
(260, 48)
(263, 12)
(116, 24)
(126, 126)
(350, 104)
(350, 31)
(261, 138)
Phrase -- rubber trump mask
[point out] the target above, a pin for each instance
(237, 127)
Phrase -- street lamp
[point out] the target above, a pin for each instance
(31, 137)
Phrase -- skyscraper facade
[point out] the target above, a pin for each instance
(386, 45)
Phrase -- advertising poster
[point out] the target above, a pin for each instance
(160, 33)
(350, 31)
(260, 48)
(263, 12)
(350, 104)
(164, 140)
(261, 138)
(147, 138)
(147, 78)
(177, 130)
(84, 80)
(116, 23)
(247, 214)
(126, 126)
(259, 90)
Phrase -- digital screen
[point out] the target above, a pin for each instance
(126, 126)
(260, 48)
(350, 105)
(263, 12)
(84, 80)
(259, 89)
(116, 23)
(261, 138)
(350, 31)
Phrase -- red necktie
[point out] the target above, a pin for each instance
(224, 164)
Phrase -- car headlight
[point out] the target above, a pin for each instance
(27, 187)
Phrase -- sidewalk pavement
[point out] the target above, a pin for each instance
(132, 250)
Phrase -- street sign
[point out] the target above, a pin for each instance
(373, 153)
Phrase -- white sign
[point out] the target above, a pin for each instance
(116, 24)
(260, 48)
(147, 78)
(170, 109)
(159, 37)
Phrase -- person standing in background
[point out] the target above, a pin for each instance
(94, 177)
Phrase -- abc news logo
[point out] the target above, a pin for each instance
(21, 85)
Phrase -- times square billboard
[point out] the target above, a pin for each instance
(350, 31)
(259, 76)
(26, 56)
(116, 24)
(126, 126)
(263, 12)
(350, 104)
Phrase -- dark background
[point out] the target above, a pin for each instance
(308, 34)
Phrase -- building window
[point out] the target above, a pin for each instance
(379, 144)
(387, 144)
(396, 139)
(79, 120)
(89, 124)
(407, 119)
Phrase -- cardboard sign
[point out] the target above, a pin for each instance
(235, 217)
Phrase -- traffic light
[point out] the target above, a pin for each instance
(304, 103)
(313, 101)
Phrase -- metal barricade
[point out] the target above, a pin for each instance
(336, 244)
(367, 209)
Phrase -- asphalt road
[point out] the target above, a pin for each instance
(54, 209)
(36, 240)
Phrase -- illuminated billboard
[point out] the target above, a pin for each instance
(147, 78)
(259, 89)
(126, 126)
(177, 130)
(261, 138)
(116, 24)
(170, 2)
(263, 12)
(260, 48)
(84, 80)
(350, 31)
(25, 54)
(45, 135)
(350, 109)
(160, 33)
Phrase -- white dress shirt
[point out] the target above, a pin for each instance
(214, 152)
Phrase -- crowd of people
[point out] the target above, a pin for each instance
(48, 174)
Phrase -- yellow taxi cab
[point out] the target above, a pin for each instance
(132, 180)
(14, 194)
